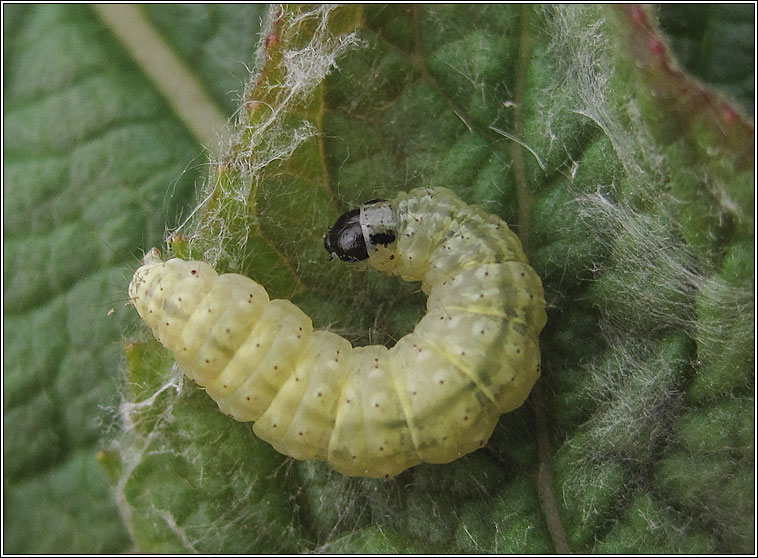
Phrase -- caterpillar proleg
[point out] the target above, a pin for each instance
(369, 411)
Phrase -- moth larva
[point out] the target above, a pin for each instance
(369, 411)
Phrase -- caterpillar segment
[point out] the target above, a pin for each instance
(369, 411)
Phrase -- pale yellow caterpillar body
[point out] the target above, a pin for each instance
(369, 411)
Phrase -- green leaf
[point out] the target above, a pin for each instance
(715, 43)
(96, 165)
(630, 184)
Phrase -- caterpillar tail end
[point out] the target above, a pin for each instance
(153, 256)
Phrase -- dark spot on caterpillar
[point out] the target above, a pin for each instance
(383, 239)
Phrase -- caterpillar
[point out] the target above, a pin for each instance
(368, 411)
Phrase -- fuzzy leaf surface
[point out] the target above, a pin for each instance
(630, 184)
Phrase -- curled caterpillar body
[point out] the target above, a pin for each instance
(369, 411)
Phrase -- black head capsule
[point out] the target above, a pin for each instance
(345, 238)
(357, 234)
